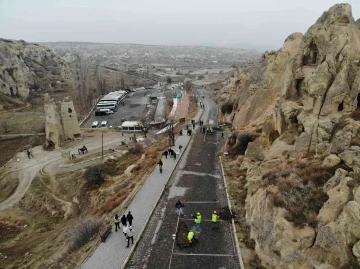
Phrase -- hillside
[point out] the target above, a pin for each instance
(26, 67)
(296, 119)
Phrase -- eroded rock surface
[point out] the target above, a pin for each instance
(303, 168)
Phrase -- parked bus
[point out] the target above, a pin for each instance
(113, 107)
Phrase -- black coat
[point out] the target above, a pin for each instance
(123, 220)
(129, 217)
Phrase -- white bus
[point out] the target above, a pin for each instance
(113, 107)
(131, 126)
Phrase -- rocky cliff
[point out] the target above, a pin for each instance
(26, 67)
(301, 105)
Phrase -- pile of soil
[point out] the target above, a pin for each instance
(181, 234)
(226, 214)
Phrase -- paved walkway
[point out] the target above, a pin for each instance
(113, 253)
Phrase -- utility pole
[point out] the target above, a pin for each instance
(102, 145)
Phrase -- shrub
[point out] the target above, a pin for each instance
(83, 231)
(95, 175)
(35, 141)
(297, 216)
(301, 191)
(227, 108)
(136, 149)
(356, 114)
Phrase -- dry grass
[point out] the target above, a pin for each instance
(112, 203)
(356, 114)
(300, 191)
(8, 184)
(24, 122)
(355, 141)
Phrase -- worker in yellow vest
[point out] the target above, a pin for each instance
(191, 237)
(214, 218)
(197, 220)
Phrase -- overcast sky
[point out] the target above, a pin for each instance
(171, 22)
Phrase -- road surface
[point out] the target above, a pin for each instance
(198, 183)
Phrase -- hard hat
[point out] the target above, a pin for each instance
(198, 213)
(215, 212)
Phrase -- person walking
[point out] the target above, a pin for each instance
(117, 222)
(160, 163)
(130, 236)
(179, 205)
(129, 218)
(214, 218)
(28, 153)
(125, 230)
(222, 135)
(197, 220)
(180, 148)
(123, 220)
(165, 153)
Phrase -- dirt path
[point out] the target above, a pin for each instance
(27, 169)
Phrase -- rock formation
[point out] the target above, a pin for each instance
(61, 121)
(303, 173)
(26, 67)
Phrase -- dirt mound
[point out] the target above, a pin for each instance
(181, 234)
(226, 214)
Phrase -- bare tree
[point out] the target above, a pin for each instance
(122, 82)
(188, 85)
(145, 122)
(101, 84)
(5, 126)
(83, 91)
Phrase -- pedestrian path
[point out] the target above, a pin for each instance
(113, 253)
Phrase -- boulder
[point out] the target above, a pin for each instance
(331, 160)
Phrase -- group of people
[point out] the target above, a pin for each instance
(128, 231)
(197, 220)
(171, 153)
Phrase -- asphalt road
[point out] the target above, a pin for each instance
(197, 182)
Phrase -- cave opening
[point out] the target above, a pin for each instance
(312, 57)
(341, 106)
(298, 86)
(12, 91)
(273, 136)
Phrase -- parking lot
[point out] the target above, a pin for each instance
(134, 108)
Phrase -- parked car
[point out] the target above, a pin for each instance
(94, 124)
(104, 124)
(123, 119)
(103, 112)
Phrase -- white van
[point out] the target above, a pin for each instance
(94, 124)
(104, 124)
